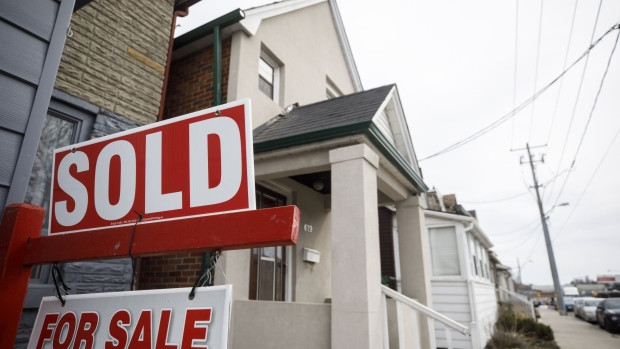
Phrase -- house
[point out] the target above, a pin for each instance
(343, 155)
(462, 284)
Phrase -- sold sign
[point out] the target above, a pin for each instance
(197, 164)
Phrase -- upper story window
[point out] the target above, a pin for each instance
(444, 251)
(269, 76)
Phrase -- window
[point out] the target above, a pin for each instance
(479, 257)
(64, 125)
(268, 265)
(444, 251)
(472, 252)
(269, 76)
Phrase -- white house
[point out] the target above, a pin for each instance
(462, 282)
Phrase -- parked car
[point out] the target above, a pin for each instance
(608, 314)
(578, 306)
(588, 308)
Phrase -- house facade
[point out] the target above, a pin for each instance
(463, 285)
(342, 155)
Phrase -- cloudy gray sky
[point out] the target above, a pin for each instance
(460, 66)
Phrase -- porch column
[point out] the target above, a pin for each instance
(356, 265)
(415, 260)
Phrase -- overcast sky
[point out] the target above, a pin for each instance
(454, 63)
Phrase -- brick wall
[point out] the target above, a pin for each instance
(190, 82)
(190, 88)
(117, 55)
(170, 271)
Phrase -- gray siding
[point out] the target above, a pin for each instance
(32, 36)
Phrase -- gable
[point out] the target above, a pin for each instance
(254, 17)
(390, 120)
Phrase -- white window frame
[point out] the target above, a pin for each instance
(277, 67)
(458, 252)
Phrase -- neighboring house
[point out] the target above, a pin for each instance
(501, 274)
(72, 71)
(462, 283)
(342, 155)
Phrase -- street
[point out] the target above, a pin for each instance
(573, 333)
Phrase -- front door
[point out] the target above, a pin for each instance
(268, 264)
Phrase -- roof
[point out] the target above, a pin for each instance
(324, 117)
(335, 118)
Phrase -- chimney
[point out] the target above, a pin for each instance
(449, 201)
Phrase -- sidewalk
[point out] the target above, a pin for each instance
(573, 333)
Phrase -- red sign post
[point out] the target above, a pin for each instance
(183, 185)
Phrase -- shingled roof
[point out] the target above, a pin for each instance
(335, 118)
(332, 118)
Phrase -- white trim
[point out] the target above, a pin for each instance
(254, 16)
(459, 218)
(346, 48)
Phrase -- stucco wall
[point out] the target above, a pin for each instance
(257, 324)
(116, 56)
(311, 281)
(306, 43)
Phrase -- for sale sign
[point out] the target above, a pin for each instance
(165, 319)
(197, 164)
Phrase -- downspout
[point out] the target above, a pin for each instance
(217, 66)
(162, 100)
(473, 327)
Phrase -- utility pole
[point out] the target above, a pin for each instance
(554, 271)
(519, 266)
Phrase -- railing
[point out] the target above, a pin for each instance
(449, 324)
(519, 301)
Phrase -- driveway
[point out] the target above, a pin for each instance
(573, 333)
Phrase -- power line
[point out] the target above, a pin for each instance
(598, 167)
(512, 113)
(540, 21)
(496, 200)
(529, 225)
(585, 130)
(572, 118)
(526, 236)
(514, 78)
(557, 99)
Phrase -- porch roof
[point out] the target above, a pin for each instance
(334, 118)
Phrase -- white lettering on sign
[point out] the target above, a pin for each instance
(125, 151)
(192, 165)
(74, 188)
(228, 133)
(155, 200)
